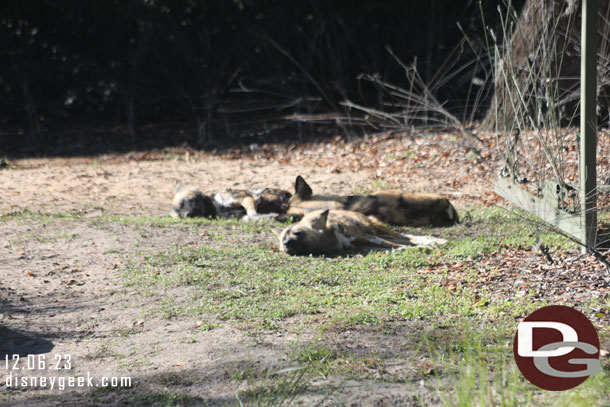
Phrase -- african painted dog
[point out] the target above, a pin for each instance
(390, 206)
(328, 232)
(190, 202)
(251, 203)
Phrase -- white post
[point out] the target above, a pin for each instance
(588, 123)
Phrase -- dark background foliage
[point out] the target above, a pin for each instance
(228, 68)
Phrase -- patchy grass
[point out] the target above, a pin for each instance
(257, 284)
(595, 392)
(209, 225)
(230, 223)
(281, 385)
(262, 289)
(207, 326)
(481, 372)
(144, 398)
(26, 214)
(234, 274)
(477, 370)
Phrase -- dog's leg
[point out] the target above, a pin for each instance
(249, 205)
(382, 229)
(381, 242)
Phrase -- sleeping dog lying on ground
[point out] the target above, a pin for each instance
(247, 204)
(390, 206)
(330, 232)
(190, 202)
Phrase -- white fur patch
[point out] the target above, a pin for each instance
(251, 212)
(257, 192)
(377, 241)
(451, 212)
(224, 198)
(344, 241)
(426, 241)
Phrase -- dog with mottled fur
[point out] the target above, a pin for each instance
(190, 202)
(250, 204)
(331, 232)
(390, 206)
(246, 204)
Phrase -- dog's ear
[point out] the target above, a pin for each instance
(301, 189)
(319, 222)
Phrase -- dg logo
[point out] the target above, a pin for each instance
(556, 348)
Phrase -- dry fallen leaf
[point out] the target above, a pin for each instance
(426, 367)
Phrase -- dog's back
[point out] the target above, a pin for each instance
(408, 209)
(391, 206)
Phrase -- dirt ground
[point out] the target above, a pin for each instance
(61, 292)
(133, 187)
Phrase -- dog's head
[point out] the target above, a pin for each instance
(309, 236)
(190, 202)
